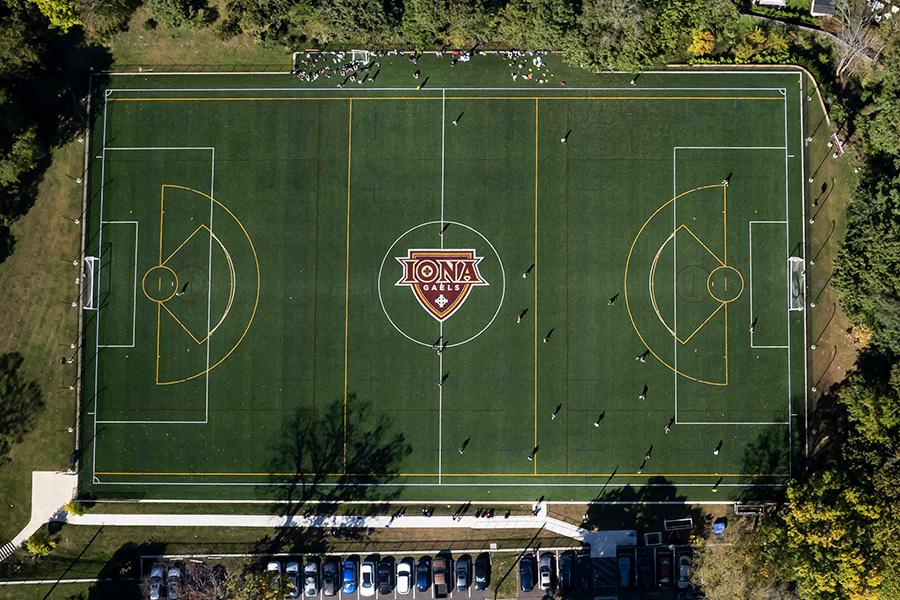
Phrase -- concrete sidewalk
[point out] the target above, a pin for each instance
(50, 491)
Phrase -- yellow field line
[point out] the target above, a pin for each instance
(181, 245)
(158, 319)
(711, 253)
(625, 285)
(726, 344)
(364, 475)
(725, 225)
(347, 270)
(536, 121)
(162, 210)
(183, 326)
(434, 98)
(255, 301)
(703, 324)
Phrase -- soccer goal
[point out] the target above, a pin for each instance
(798, 283)
(90, 266)
(360, 56)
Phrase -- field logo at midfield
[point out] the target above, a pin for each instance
(440, 279)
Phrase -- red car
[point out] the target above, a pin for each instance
(664, 569)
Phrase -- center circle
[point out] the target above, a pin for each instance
(717, 284)
(160, 283)
(441, 227)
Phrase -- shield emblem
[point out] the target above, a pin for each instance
(441, 279)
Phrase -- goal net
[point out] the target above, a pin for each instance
(360, 56)
(797, 272)
(89, 268)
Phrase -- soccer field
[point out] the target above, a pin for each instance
(481, 289)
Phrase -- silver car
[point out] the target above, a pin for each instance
(292, 579)
(311, 578)
(173, 582)
(156, 578)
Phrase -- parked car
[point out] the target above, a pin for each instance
(440, 567)
(567, 575)
(684, 571)
(545, 571)
(330, 581)
(292, 579)
(645, 571)
(386, 576)
(367, 578)
(423, 574)
(664, 569)
(311, 578)
(625, 576)
(349, 576)
(404, 576)
(174, 581)
(156, 581)
(526, 572)
(463, 570)
(585, 575)
(273, 570)
(482, 571)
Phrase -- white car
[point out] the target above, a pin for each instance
(545, 571)
(156, 577)
(173, 581)
(311, 578)
(292, 578)
(404, 576)
(367, 579)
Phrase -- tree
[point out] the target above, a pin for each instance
(253, 584)
(456, 23)
(172, 13)
(20, 158)
(19, 47)
(882, 118)
(61, 13)
(703, 42)
(102, 18)
(867, 266)
(872, 399)
(274, 19)
(857, 32)
(675, 20)
(612, 34)
(538, 24)
(363, 21)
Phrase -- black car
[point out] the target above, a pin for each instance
(482, 571)
(385, 576)
(330, 579)
(526, 572)
(644, 570)
(585, 575)
(423, 573)
(567, 574)
(463, 569)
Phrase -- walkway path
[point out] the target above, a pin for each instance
(50, 491)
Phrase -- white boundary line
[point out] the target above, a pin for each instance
(806, 381)
(524, 90)
(675, 70)
(137, 228)
(675, 149)
(460, 485)
(750, 279)
(787, 283)
(444, 90)
(97, 275)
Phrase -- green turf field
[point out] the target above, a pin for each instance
(277, 263)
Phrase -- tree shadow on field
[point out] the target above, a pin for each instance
(767, 458)
(121, 576)
(21, 400)
(639, 508)
(334, 472)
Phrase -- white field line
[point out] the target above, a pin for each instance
(212, 194)
(134, 295)
(787, 299)
(542, 91)
(806, 381)
(441, 323)
(455, 485)
(97, 275)
(675, 70)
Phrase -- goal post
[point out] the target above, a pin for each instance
(360, 56)
(797, 272)
(89, 289)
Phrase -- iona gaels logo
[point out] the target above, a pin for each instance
(441, 279)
